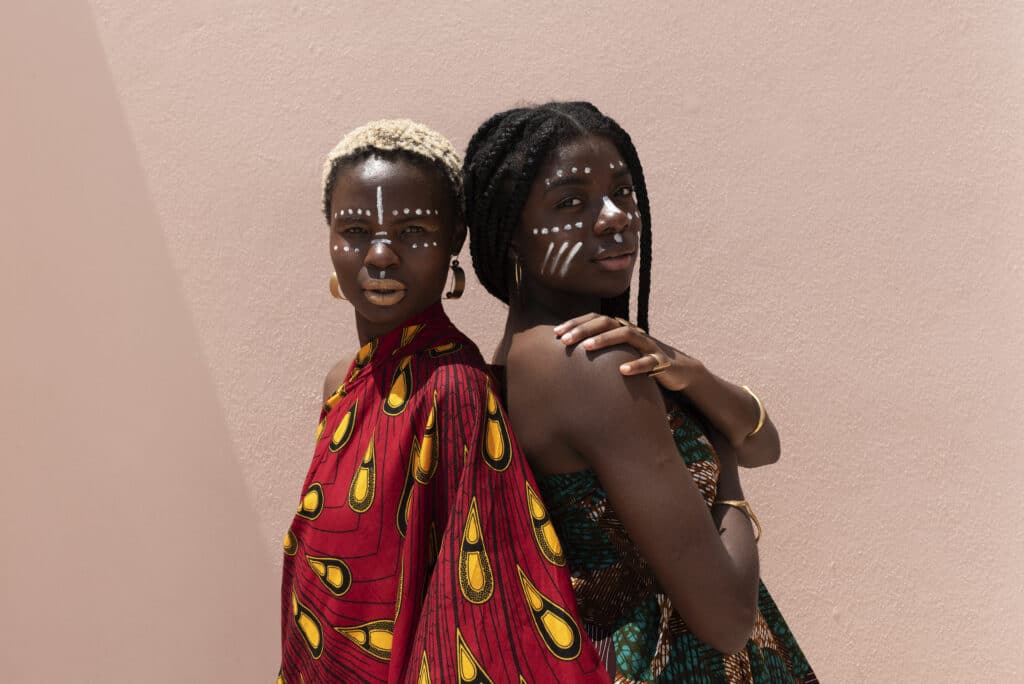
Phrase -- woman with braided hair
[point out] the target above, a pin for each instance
(421, 550)
(660, 540)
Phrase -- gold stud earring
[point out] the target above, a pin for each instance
(458, 281)
(335, 287)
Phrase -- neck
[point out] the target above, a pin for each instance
(368, 330)
(533, 306)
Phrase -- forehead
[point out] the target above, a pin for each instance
(400, 180)
(589, 149)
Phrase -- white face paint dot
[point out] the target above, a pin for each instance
(586, 169)
(629, 216)
(335, 248)
(558, 173)
(547, 181)
(543, 231)
(394, 212)
(622, 163)
(568, 226)
(406, 211)
(435, 244)
(346, 248)
(611, 166)
(617, 237)
(414, 245)
(574, 169)
(535, 231)
(579, 224)
(419, 212)
(555, 229)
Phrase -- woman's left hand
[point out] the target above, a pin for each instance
(673, 369)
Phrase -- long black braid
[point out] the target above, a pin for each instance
(501, 163)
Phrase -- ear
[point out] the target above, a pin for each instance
(458, 237)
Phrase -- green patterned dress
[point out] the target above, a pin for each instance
(624, 611)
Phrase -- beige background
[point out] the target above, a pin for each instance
(837, 196)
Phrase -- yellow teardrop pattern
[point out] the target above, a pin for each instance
(430, 448)
(364, 482)
(401, 388)
(312, 504)
(424, 676)
(470, 670)
(410, 332)
(405, 501)
(444, 350)
(280, 676)
(497, 448)
(309, 627)
(363, 357)
(320, 429)
(556, 627)
(291, 543)
(333, 573)
(346, 426)
(475, 577)
(543, 530)
(373, 638)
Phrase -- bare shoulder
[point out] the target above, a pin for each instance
(336, 376)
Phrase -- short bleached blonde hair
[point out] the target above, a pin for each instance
(396, 135)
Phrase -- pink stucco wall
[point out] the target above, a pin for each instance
(838, 195)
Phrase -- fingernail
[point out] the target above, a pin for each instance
(558, 329)
(624, 368)
(589, 343)
(566, 338)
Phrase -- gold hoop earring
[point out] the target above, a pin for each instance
(517, 273)
(458, 281)
(335, 287)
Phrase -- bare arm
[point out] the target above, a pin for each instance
(617, 425)
(728, 407)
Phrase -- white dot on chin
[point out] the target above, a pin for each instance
(419, 212)
(406, 211)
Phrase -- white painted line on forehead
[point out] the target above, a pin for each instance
(380, 206)
(543, 265)
(568, 259)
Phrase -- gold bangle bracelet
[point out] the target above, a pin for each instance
(742, 505)
(761, 415)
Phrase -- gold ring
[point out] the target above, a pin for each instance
(626, 324)
(660, 368)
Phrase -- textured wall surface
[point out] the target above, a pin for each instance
(837, 203)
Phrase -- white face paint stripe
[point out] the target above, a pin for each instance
(547, 256)
(380, 206)
(568, 259)
(561, 251)
(608, 204)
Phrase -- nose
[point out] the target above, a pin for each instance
(611, 219)
(380, 256)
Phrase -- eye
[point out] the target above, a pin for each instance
(569, 202)
(353, 230)
(625, 191)
(413, 230)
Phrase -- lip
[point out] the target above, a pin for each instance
(384, 292)
(615, 259)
